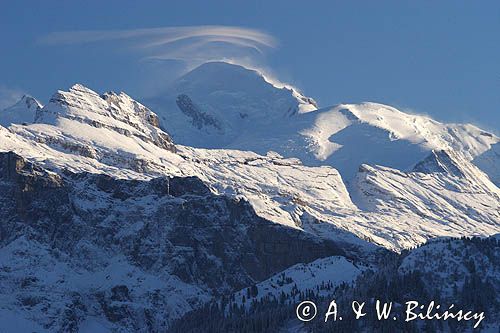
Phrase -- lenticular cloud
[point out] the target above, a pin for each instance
(190, 44)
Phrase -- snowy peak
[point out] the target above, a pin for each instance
(111, 133)
(236, 81)
(348, 135)
(22, 112)
(397, 126)
(454, 164)
(445, 190)
(30, 102)
(116, 112)
(217, 103)
(440, 161)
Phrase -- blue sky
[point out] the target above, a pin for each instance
(439, 58)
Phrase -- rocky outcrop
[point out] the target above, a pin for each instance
(173, 230)
(199, 119)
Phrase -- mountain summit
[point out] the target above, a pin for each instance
(84, 131)
(217, 103)
(111, 111)
(109, 225)
(22, 112)
(220, 105)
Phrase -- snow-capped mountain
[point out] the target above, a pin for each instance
(217, 103)
(443, 187)
(102, 254)
(81, 130)
(220, 105)
(110, 215)
(113, 112)
(347, 136)
(23, 112)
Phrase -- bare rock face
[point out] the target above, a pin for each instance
(199, 119)
(132, 251)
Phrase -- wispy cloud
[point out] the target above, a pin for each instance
(193, 44)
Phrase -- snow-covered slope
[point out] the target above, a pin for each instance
(129, 254)
(445, 192)
(113, 112)
(220, 105)
(349, 135)
(489, 162)
(83, 131)
(217, 103)
(23, 111)
(323, 274)
(91, 234)
(60, 294)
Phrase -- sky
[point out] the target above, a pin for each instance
(439, 58)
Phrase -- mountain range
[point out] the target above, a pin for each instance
(119, 215)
